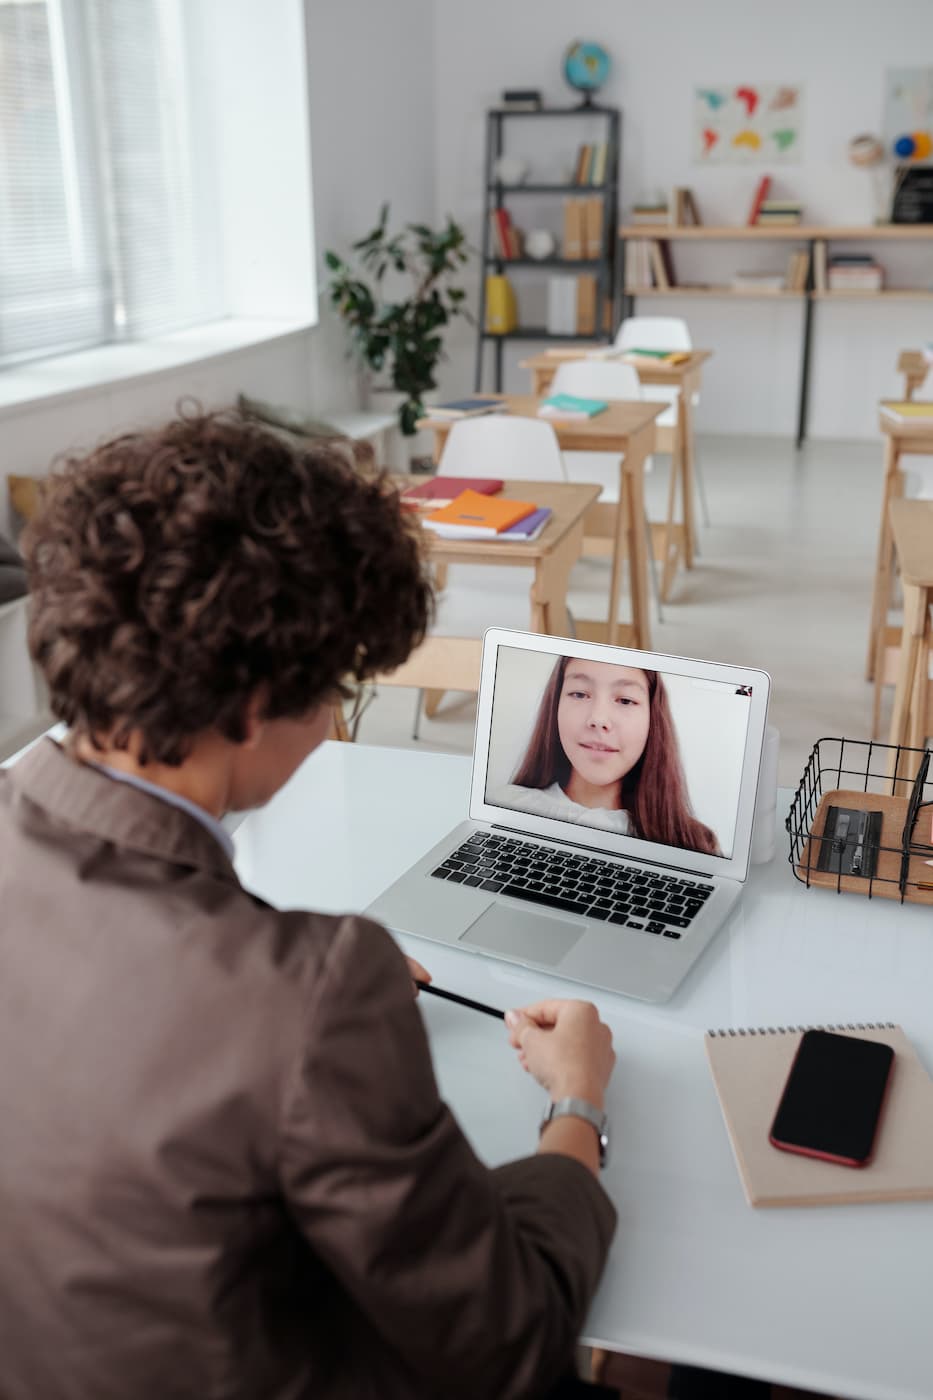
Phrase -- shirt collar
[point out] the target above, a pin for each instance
(174, 799)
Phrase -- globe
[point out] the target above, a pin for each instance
(586, 67)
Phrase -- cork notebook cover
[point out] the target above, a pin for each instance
(750, 1068)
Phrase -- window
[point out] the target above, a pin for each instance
(108, 223)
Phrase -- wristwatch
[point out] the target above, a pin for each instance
(580, 1108)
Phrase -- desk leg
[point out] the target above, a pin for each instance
(630, 536)
(916, 602)
(884, 565)
(685, 419)
(440, 437)
(917, 728)
(548, 593)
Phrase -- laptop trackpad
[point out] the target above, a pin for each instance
(516, 933)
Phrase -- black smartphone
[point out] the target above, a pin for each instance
(833, 1098)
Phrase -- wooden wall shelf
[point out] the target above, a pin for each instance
(816, 238)
(726, 232)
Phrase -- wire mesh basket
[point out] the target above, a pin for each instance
(887, 789)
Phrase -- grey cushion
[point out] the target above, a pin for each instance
(12, 573)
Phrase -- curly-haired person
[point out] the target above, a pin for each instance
(226, 1169)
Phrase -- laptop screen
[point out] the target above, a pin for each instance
(644, 754)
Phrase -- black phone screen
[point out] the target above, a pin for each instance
(833, 1097)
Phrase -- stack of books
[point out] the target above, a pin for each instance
(470, 407)
(591, 163)
(571, 406)
(854, 272)
(648, 263)
(583, 227)
(571, 305)
(474, 515)
(637, 356)
(778, 212)
(768, 282)
(440, 491)
(650, 213)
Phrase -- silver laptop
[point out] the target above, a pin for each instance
(611, 813)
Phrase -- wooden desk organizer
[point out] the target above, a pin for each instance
(866, 776)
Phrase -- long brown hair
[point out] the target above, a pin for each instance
(654, 792)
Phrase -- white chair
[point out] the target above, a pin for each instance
(605, 379)
(499, 445)
(662, 333)
(495, 445)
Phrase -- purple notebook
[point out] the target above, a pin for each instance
(529, 527)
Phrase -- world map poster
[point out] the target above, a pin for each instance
(748, 123)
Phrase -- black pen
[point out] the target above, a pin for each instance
(461, 1001)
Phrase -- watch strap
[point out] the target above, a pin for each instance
(581, 1108)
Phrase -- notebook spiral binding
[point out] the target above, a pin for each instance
(792, 1030)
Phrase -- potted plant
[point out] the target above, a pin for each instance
(389, 329)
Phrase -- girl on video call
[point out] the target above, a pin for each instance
(604, 753)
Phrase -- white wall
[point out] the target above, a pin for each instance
(838, 49)
(371, 68)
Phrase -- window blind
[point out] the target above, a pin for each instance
(108, 229)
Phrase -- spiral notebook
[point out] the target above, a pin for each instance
(750, 1068)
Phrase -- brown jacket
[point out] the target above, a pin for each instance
(225, 1170)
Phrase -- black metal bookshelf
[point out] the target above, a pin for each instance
(496, 195)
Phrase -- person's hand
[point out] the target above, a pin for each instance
(565, 1046)
(418, 973)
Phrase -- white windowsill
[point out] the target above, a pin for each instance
(47, 381)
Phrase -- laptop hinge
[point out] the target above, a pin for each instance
(579, 846)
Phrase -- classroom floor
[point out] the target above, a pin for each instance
(783, 582)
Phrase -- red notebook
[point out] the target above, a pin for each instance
(761, 194)
(439, 491)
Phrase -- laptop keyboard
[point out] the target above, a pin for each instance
(577, 884)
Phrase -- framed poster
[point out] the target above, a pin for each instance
(748, 124)
(908, 115)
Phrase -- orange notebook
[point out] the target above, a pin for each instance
(487, 515)
(750, 1068)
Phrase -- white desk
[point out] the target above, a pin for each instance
(838, 1299)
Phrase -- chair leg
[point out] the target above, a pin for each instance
(701, 487)
(419, 705)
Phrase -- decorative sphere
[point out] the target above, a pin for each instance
(509, 170)
(904, 147)
(586, 66)
(865, 150)
(923, 145)
(539, 243)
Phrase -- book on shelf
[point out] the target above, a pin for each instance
(854, 272)
(573, 228)
(586, 304)
(472, 515)
(798, 265)
(819, 265)
(593, 226)
(650, 214)
(571, 406)
(561, 305)
(905, 412)
(779, 212)
(757, 282)
(648, 264)
(506, 239)
(439, 491)
(599, 163)
(758, 198)
(685, 210)
(658, 269)
(520, 100)
(581, 170)
(470, 407)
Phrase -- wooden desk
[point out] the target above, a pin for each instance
(552, 555)
(912, 534)
(913, 437)
(914, 367)
(678, 441)
(625, 428)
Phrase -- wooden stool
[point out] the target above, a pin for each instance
(914, 437)
(912, 535)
